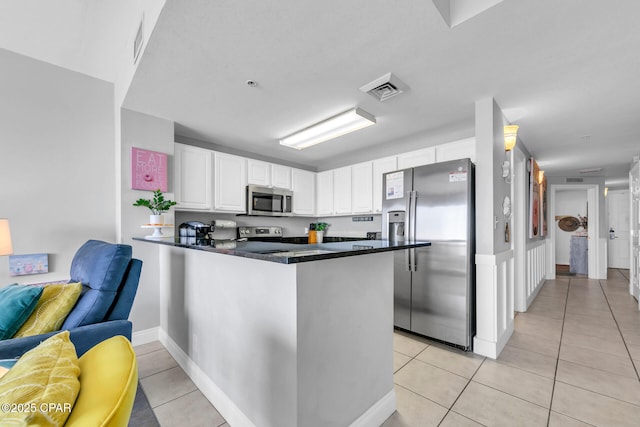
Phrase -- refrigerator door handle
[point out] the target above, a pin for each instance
(414, 211)
(412, 217)
(407, 259)
(408, 230)
(415, 259)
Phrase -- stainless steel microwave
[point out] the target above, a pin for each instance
(269, 201)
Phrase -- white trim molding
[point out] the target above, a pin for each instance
(494, 303)
(536, 269)
(225, 406)
(146, 336)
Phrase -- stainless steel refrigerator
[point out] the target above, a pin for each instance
(434, 287)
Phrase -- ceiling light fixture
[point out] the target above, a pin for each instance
(333, 127)
(591, 170)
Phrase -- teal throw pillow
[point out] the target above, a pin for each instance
(16, 304)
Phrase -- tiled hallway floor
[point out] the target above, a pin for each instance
(573, 360)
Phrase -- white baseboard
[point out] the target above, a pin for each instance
(374, 416)
(146, 336)
(492, 349)
(379, 412)
(231, 413)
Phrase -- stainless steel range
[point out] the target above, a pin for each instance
(261, 233)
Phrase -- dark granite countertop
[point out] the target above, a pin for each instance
(288, 253)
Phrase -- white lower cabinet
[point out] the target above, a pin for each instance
(303, 184)
(193, 177)
(342, 191)
(230, 182)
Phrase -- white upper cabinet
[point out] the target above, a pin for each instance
(362, 188)
(230, 183)
(380, 167)
(258, 173)
(426, 156)
(342, 190)
(281, 176)
(193, 177)
(465, 148)
(324, 192)
(304, 192)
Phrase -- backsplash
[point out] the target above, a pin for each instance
(342, 226)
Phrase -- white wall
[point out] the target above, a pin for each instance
(151, 133)
(57, 162)
(568, 202)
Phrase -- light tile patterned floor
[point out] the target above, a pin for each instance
(573, 360)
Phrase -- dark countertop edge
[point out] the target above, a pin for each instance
(284, 259)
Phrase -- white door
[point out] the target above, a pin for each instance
(618, 210)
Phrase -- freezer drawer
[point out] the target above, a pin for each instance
(441, 295)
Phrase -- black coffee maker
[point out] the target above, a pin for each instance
(195, 233)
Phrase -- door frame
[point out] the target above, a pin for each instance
(593, 214)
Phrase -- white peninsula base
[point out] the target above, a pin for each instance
(307, 344)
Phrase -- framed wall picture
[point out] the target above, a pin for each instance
(543, 206)
(534, 200)
(148, 170)
(22, 265)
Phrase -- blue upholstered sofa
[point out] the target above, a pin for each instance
(109, 276)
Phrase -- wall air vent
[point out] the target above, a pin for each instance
(570, 180)
(385, 87)
(138, 41)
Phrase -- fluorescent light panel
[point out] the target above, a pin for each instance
(341, 124)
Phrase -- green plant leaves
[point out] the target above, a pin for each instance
(158, 204)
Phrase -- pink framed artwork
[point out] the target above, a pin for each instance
(148, 170)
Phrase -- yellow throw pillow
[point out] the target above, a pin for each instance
(42, 386)
(108, 385)
(54, 305)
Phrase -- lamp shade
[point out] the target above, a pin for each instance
(510, 137)
(5, 238)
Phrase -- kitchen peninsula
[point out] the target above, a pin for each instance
(278, 334)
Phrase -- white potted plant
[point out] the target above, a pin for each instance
(320, 229)
(158, 204)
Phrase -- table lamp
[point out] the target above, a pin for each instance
(5, 238)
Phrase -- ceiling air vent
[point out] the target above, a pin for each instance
(568, 180)
(385, 87)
